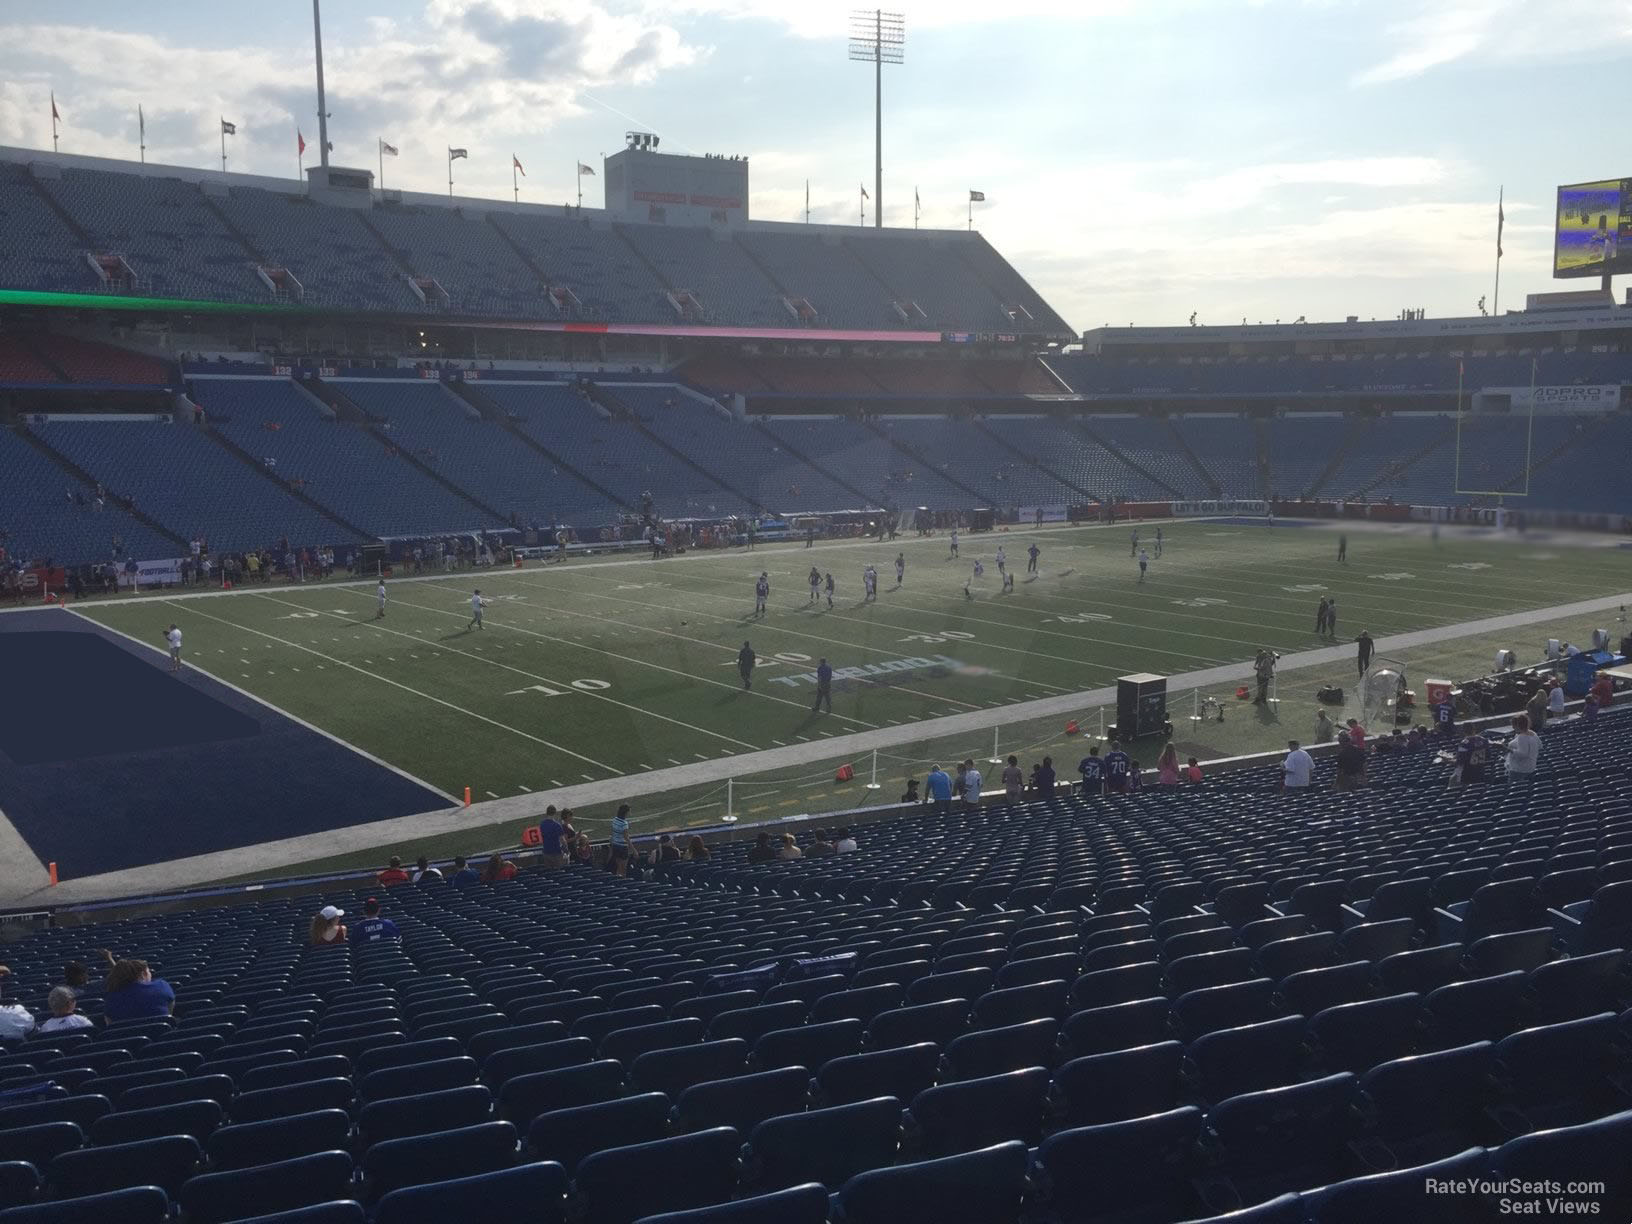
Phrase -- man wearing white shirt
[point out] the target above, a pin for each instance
(379, 601)
(172, 635)
(1555, 701)
(971, 784)
(1523, 750)
(1298, 768)
(476, 603)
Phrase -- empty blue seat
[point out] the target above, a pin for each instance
(858, 1004)
(1291, 1138)
(165, 1162)
(339, 1211)
(80, 1110)
(485, 1044)
(1283, 1209)
(596, 1025)
(752, 1023)
(1357, 1036)
(1123, 984)
(1119, 1026)
(399, 1117)
(19, 1183)
(39, 1144)
(1246, 1059)
(902, 1072)
(526, 1096)
(1558, 1074)
(1572, 988)
(620, 1185)
(1428, 1106)
(795, 1205)
(958, 984)
(809, 1045)
(533, 1192)
(1122, 1084)
(939, 1023)
(975, 1113)
(994, 1051)
(744, 1101)
(1206, 969)
(1401, 1194)
(403, 1053)
(505, 1064)
(673, 1071)
(1420, 970)
(295, 1099)
(1372, 941)
(1523, 950)
(1604, 921)
(829, 1145)
(1219, 1007)
(566, 1136)
(137, 1205)
(706, 1007)
(1482, 1009)
(982, 1187)
(628, 1044)
(440, 1156)
(1314, 990)
(1139, 1168)
(1592, 1151)
(418, 1078)
(257, 1143)
(212, 1198)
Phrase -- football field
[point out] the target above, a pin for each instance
(597, 669)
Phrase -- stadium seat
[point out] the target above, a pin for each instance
(1218, 1007)
(1282, 1139)
(1357, 1036)
(526, 1096)
(502, 1066)
(1251, 1058)
(214, 1198)
(137, 1205)
(438, 1156)
(994, 1051)
(1558, 1075)
(620, 1185)
(744, 1101)
(810, 1045)
(1136, 1169)
(1592, 1151)
(39, 1144)
(1099, 1030)
(1572, 988)
(19, 1183)
(1399, 1195)
(1481, 1009)
(401, 1117)
(566, 1136)
(796, 1205)
(975, 1113)
(1601, 922)
(255, 1143)
(164, 1162)
(267, 1103)
(1115, 1086)
(1427, 1106)
(828, 1145)
(534, 1192)
(979, 1187)
(937, 1023)
(901, 1072)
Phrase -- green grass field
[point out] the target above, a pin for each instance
(596, 669)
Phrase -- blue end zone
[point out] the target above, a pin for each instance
(107, 761)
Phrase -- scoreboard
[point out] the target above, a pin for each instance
(1592, 230)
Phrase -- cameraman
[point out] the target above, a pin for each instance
(1264, 668)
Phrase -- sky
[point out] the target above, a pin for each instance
(1141, 159)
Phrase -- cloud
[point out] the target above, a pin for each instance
(831, 19)
(1499, 31)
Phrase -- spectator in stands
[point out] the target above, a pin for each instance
(1192, 770)
(1555, 699)
(498, 869)
(1045, 779)
(424, 873)
(696, 850)
(761, 851)
(1536, 708)
(912, 795)
(1523, 750)
(938, 786)
(1603, 688)
(65, 1015)
(971, 784)
(552, 855)
(1324, 728)
(821, 845)
(667, 851)
(1014, 782)
(1167, 766)
(393, 874)
(1351, 763)
(569, 833)
(618, 860)
(16, 1021)
(1298, 769)
(790, 848)
(77, 978)
(327, 928)
(1357, 734)
(373, 928)
(846, 844)
(463, 872)
(133, 993)
(583, 853)
(1471, 755)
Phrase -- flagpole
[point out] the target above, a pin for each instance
(971, 214)
(1496, 298)
(515, 188)
(53, 121)
(807, 201)
(223, 148)
(917, 207)
(379, 143)
(578, 171)
(141, 129)
(450, 172)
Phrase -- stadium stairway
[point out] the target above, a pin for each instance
(1355, 430)
(1184, 449)
(299, 494)
(1112, 449)
(984, 424)
(1394, 471)
(835, 476)
(1596, 431)
(84, 477)
(521, 252)
(613, 404)
(1260, 444)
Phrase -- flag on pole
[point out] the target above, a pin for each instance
(54, 114)
(387, 150)
(516, 162)
(1501, 220)
(583, 169)
(228, 129)
(915, 202)
(141, 122)
(300, 143)
(456, 154)
(864, 194)
(977, 197)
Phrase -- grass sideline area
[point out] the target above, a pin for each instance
(599, 669)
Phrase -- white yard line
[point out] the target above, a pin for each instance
(262, 701)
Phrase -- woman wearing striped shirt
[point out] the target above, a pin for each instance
(618, 861)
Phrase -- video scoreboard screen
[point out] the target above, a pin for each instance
(1592, 232)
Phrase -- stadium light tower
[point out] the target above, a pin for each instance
(878, 38)
(322, 106)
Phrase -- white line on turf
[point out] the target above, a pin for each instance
(262, 701)
(492, 722)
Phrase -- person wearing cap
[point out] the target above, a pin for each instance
(327, 927)
(65, 1017)
(393, 874)
(373, 928)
